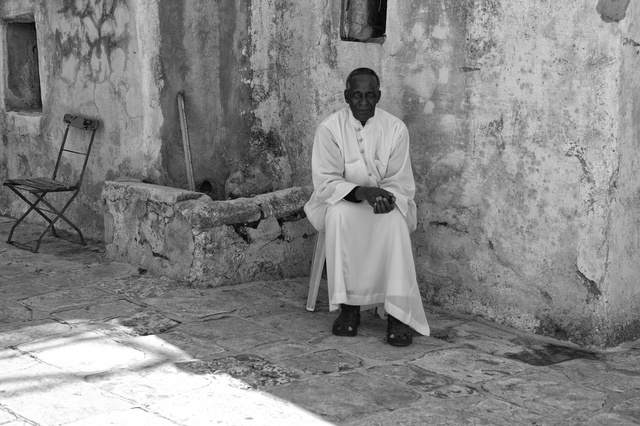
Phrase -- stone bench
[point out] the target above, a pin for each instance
(187, 236)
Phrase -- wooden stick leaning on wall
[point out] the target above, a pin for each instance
(185, 141)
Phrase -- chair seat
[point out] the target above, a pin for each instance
(40, 184)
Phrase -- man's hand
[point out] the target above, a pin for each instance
(381, 200)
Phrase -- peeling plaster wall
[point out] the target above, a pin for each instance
(621, 287)
(206, 53)
(540, 167)
(523, 145)
(97, 59)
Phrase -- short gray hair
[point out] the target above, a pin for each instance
(363, 71)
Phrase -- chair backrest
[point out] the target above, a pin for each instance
(81, 123)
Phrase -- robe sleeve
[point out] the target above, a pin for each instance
(399, 177)
(327, 165)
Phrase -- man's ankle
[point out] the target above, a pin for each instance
(349, 307)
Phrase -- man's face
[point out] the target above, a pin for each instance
(362, 96)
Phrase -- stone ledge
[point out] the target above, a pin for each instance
(113, 191)
(187, 236)
(207, 213)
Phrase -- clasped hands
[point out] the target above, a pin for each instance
(381, 200)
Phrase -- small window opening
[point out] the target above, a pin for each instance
(23, 71)
(363, 20)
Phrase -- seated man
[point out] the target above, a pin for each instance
(363, 202)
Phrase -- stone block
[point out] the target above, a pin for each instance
(114, 191)
(284, 202)
(218, 254)
(297, 229)
(268, 230)
(202, 214)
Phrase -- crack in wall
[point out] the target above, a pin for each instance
(630, 42)
(590, 285)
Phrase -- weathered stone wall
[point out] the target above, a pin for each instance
(206, 51)
(97, 58)
(520, 117)
(188, 236)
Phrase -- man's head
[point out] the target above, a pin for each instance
(362, 93)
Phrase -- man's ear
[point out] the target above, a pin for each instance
(346, 96)
(379, 95)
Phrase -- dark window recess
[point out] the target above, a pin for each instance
(363, 20)
(23, 77)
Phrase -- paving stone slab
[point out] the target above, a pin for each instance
(141, 286)
(473, 330)
(252, 292)
(497, 347)
(347, 397)
(110, 271)
(83, 352)
(69, 299)
(295, 290)
(629, 408)
(281, 350)
(547, 392)
(597, 375)
(250, 341)
(132, 417)
(11, 312)
(17, 333)
(52, 267)
(46, 396)
(483, 337)
(145, 323)
(252, 370)
(324, 362)
(455, 391)
(624, 361)
(235, 295)
(220, 328)
(605, 419)
(12, 270)
(149, 385)
(223, 404)
(305, 326)
(156, 349)
(548, 353)
(99, 312)
(481, 411)
(377, 348)
(468, 366)
(14, 360)
(189, 308)
(440, 323)
(200, 348)
(409, 375)
(6, 417)
(269, 307)
(29, 288)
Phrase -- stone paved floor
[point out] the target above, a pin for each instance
(84, 341)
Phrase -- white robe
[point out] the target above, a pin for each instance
(369, 257)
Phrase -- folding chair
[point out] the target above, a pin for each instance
(319, 256)
(41, 186)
